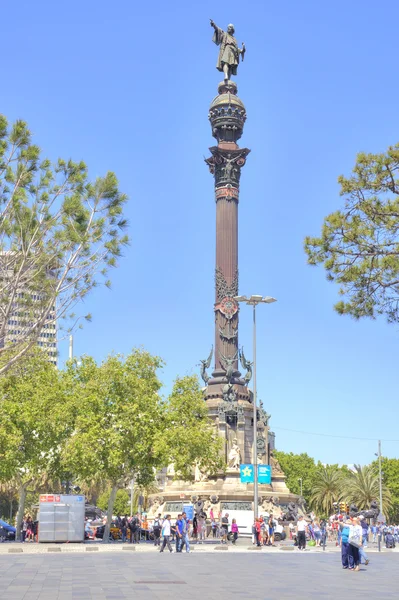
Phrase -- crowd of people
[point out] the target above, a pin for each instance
(179, 531)
(263, 531)
(29, 529)
(351, 534)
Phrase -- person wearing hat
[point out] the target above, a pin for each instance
(345, 543)
(301, 528)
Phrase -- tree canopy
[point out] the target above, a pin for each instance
(362, 486)
(296, 467)
(327, 489)
(33, 423)
(359, 245)
(124, 429)
(59, 234)
(390, 477)
(121, 505)
(190, 436)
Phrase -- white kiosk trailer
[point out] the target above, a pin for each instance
(61, 518)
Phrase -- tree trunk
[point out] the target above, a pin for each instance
(110, 509)
(22, 490)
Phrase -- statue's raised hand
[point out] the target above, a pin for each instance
(212, 24)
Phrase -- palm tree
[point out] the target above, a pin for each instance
(145, 491)
(93, 488)
(327, 489)
(362, 486)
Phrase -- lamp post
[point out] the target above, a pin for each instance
(380, 477)
(300, 481)
(254, 301)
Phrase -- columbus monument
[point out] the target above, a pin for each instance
(227, 395)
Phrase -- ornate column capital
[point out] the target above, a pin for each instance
(225, 165)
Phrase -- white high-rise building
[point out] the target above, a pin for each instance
(22, 314)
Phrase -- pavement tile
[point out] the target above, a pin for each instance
(208, 576)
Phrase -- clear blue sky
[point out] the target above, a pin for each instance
(126, 86)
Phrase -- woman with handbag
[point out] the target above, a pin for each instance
(345, 532)
(355, 542)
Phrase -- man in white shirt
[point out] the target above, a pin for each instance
(301, 529)
(166, 534)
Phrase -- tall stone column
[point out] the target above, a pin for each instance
(227, 116)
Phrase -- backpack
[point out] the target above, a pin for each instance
(133, 524)
(157, 524)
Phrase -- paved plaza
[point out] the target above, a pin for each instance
(209, 576)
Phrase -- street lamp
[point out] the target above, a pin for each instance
(300, 481)
(254, 301)
(380, 482)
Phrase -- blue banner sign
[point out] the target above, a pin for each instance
(246, 473)
(264, 474)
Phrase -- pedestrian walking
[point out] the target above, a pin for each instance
(166, 534)
(122, 524)
(185, 541)
(179, 533)
(234, 530)
(345, 544)
(214, 528)
(317, 533)
(301, 535)
(29, 530)
(225, 528)
(24, 528)
(365, 534)
(355, 542)
(156, 528)
(257, 532)
(201, 520)
(272, 525)
(134, 526)
(195, 527)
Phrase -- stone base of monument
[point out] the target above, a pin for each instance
(222, 493)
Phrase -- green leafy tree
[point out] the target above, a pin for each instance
(33, 424)
(296, 467)
(359, 245)
(121, 505)
(390, 478)
(362, 486)
(59, 234)
(118, 414)
(8, 499)
(326, 489)
(187, 436)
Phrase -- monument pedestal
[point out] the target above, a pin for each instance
(220, 493)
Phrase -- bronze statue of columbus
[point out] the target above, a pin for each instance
(229, 54)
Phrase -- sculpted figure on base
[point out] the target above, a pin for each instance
(234, 455)
(229, 54)
(205, 364)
